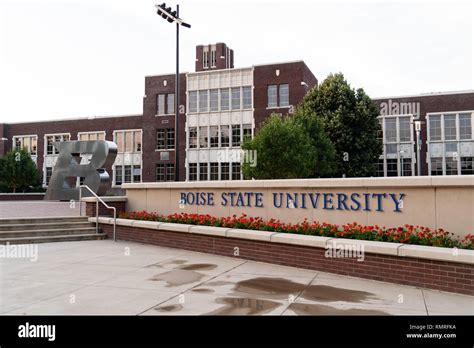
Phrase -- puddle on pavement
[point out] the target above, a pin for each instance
(178, 277)
(183, 275)
(317, 309)
(172, 262)
(244, 306)
(280, 287)
(169, 308)
(269, 286)
(199, 267)
(326, 293)
(203, 290)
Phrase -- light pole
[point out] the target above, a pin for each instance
(173, 17)
(401, 160)
(418, 146)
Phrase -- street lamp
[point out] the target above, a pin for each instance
(418, 146)
(401, 159)
(173, 16)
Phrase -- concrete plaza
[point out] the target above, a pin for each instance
(125, 278)
(27, 209)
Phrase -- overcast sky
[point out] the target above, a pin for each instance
(62, 59)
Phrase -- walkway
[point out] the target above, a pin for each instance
(103, 277)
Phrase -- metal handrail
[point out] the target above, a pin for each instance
(96, 208)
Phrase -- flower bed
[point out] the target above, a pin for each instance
(406, 234)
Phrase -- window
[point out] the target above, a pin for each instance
(118, 175)
(214, 171)
(391, 129)
(202, 171)
(436, 166)
(165, 172)
(160, 139)
(203, 139)
(224, 99)
(170, 104)
(236, 171)
(392, 167)
(380, 171)
(170, 138)
(247, 131)
(170, 172)
(165, 139)
(50, 139)
(193, 101)
(465, 130)
(224, 136)
(467, 167)
(192, 137)
(451, 166)
(435, 127)
(284, 95)
(29, 143)
(236, 135)
(214, 136)
(247, 97)
(203, 104)
(192, 171)
(391, 148)
(450, 127)
(86, 136)
(272, 96)
(137, 174)
(214, 99)
(160, 172)
(213, 58)
(160, 101)
(49, 173)
(205, 58)
(405, 166)
(127, 176)
(380, 130)
(405, 129)
(224, 171)
(128, 141)
(451, 148)
(236, 98)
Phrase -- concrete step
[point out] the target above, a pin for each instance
(47, 232)
(41, 220)
(50, 239)
(46, 225)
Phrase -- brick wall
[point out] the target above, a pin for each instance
(289, 73)
(439, 275)
(103, 211)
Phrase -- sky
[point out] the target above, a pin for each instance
(67, 59)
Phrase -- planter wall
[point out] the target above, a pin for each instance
(427, 267)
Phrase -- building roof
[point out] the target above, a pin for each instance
(430, 94)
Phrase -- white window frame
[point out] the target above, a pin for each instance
(443, 142)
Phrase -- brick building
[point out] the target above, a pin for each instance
(220, 105)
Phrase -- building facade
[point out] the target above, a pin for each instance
(445, 124)
(221, 105)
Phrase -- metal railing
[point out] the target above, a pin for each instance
(98, 199)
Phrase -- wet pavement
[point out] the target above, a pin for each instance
(103, 277)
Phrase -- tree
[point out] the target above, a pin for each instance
(283, 151)
(349, 118)
(324, 162)
(17, 170)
